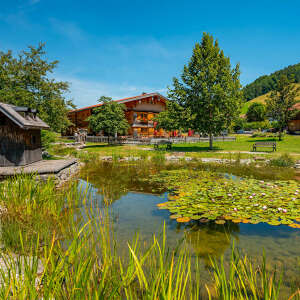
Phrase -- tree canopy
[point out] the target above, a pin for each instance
(281, 101)
(109, 117)
(267, 83)
(26, 81)
(209, 88)
(175, 117)
(256, 112)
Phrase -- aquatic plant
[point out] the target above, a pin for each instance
(201, 195)
(35, 210)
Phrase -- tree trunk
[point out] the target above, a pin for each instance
(280, 135)
(210, 141)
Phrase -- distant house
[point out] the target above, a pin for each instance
(294, 125)
(140, 111)
(20, 135)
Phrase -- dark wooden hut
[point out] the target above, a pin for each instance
(20, 135)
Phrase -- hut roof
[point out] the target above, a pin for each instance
(24, 117)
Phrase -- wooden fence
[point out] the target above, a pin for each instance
(150, 141)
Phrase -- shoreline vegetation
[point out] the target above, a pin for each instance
(51, 248)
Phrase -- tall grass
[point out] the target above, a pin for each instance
(35, 210)
(79, 257)
(244, 280)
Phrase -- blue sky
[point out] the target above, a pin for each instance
(123, 48)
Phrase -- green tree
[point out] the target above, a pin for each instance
(281, 101)
(209, 88)
(256, 112)
(239, 124)
(175, 117)
(25, 81)
(109, 117)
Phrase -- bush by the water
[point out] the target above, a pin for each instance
(284, 160)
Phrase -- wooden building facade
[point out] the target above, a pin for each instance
(140, 111)
(294, 125)
(20, 136)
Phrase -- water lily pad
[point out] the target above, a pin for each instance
(294, 225)
(162, 204)
(274, 223)
(175, 216)
(183, 220)
(204, 220)
(236, 220)
(205, 196)
(220, 222)
(245, 221)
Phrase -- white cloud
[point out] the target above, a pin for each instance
(87, 92)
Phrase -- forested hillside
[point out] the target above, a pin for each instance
(262, 99)
(266, 83)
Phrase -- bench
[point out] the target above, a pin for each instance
(163, 142)
(264, 145)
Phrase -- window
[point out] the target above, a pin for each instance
(33, 140)
(2, 121)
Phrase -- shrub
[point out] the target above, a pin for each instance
(256, 112)
(47, 138)
(257, 125)
(239, 124)
(284, 160)
(259, 134)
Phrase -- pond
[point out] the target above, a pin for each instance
(133, 209)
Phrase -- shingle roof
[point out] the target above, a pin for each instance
(124, 100)
(28, 121)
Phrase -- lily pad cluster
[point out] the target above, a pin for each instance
(204, 196)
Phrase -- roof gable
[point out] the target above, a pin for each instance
(124, 100)
(26, 121)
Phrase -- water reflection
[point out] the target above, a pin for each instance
(113, 181)
(210, 239)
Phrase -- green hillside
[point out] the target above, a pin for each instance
(266, 83)
(260, 99)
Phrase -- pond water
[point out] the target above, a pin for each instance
(133, 209)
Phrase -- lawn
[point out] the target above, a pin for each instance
(125, 150)
(290, 144)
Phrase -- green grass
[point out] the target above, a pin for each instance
(290, 144)
(243, 143)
